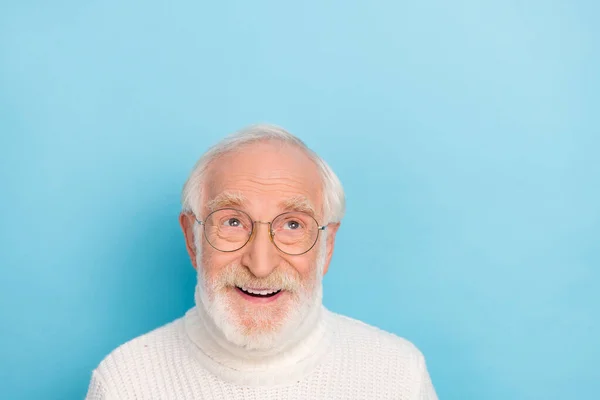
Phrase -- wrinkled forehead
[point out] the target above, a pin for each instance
(264, 175)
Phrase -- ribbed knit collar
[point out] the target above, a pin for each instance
(290, 362)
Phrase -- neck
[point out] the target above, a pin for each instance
(290, 359)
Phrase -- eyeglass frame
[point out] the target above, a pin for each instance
(271, 233)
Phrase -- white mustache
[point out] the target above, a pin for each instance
(235, 275)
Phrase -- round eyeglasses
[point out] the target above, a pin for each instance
(229, 230)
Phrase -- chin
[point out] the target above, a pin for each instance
(258, 326)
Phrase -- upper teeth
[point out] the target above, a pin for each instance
(261, 292)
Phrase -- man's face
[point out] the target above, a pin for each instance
(263, 180)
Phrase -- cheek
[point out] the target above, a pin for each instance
(213, 261)
(305, 266)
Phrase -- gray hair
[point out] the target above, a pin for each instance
(334, 202)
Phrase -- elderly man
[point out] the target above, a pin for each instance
(260, 216)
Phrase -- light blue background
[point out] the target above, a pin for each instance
(466, 134)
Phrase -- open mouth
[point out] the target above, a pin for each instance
(263, 293)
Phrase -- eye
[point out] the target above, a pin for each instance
(293, 225)
(232, 222)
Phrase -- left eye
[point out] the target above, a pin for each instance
(292, 225)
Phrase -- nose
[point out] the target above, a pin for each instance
(261, 256)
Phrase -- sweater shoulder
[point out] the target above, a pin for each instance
(145, 352)
(357, 334)
(156, 340)
(381, 361)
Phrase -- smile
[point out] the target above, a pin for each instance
(259, 293)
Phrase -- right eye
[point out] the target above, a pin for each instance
(232, 222)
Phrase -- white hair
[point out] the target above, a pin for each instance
(333, 193)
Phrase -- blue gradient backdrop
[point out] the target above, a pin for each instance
(466, 134)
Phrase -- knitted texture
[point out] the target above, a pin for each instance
(358, 362)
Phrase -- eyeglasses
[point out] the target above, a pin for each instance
(229, 230)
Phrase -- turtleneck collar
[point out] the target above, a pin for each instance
(287, 363)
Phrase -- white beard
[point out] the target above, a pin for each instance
(303, 309)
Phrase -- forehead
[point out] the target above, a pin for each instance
(265, 173)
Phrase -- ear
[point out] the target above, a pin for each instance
(331, 232)
(187, 221)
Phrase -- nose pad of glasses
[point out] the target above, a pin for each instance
(271, 231)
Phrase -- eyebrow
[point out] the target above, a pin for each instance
(237, 200)
(298, 203)
(226, 200)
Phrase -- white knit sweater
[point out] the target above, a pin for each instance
(340, 358)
